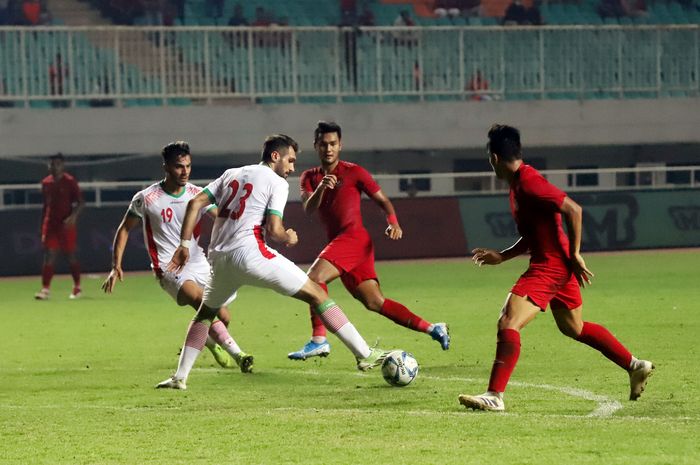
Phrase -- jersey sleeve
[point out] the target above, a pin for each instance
(214, 188)
(544, 191)
(278, 199)
(305, 182)
(136, 207)
(75, 194)
(366, 182)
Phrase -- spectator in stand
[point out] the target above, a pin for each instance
(348, 12)
(612, 9)
(57, 73)
(169, 13)
(4, 12)
(262, 17)
(215, 8)
(125, 11)
(153, 13)
(31, 12)
(477, 85)
(404, 38)
(238, 19)
(515, 14)
(404, 19)
(533, 15)
(638, 8)
(45, 18)
(444, 8)
(366, 17)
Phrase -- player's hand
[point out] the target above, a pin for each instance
(108, 284)
(486, 257)
(393, 232)
(329, 181)
(70, 220)
(578, 267)
(180, 257)
(292, 238)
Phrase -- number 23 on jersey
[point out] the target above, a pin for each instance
(225, 211)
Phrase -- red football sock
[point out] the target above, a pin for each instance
(401, 315)
(46, 276)
(507, 353)
(317, 327)
(75, 272)
(601, 339)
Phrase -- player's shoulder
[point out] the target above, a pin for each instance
(346, 167)
(193, 189)
(47, 180)
(152, 188)
(350, 166)
(151, 194)
(528, 173)
(69, 177)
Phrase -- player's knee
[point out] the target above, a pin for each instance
(372, 303)
(205, 313)
(224, 316)
(569, 330)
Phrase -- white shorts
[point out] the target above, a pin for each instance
(247, 266)
(198, 272)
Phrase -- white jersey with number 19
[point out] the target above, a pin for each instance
(162, 214)
(245, 196)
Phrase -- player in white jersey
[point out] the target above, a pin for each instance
(161, 209)
(251, 202)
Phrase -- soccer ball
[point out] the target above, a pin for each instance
(399, 368)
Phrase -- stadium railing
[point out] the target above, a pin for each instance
(100, 193)
(123, 66)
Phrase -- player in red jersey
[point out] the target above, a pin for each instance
(334, 189)
(554, 277)
(63, 202)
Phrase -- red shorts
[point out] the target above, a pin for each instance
(544, 284)
(352, 253)
(61, 237)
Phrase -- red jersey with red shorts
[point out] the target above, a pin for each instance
(350, 248)
(59, 197)
(535, 203)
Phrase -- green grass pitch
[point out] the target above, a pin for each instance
(77, 377)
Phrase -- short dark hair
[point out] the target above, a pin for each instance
(277, 143)
(174, 150)
(57, 156)
(504, 141)
(325, 127)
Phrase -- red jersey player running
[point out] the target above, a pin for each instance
(335, 189)
(63, 202)
(554, 277)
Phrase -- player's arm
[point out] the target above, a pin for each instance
(573, 216)
(77, 207)
(393, 231)
(494, 257)
(44, 194)
(182, 253)
(275, 231)
(213, 212)
(128, 223)
(312, 200)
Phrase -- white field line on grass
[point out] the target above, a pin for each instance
(605, 408)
